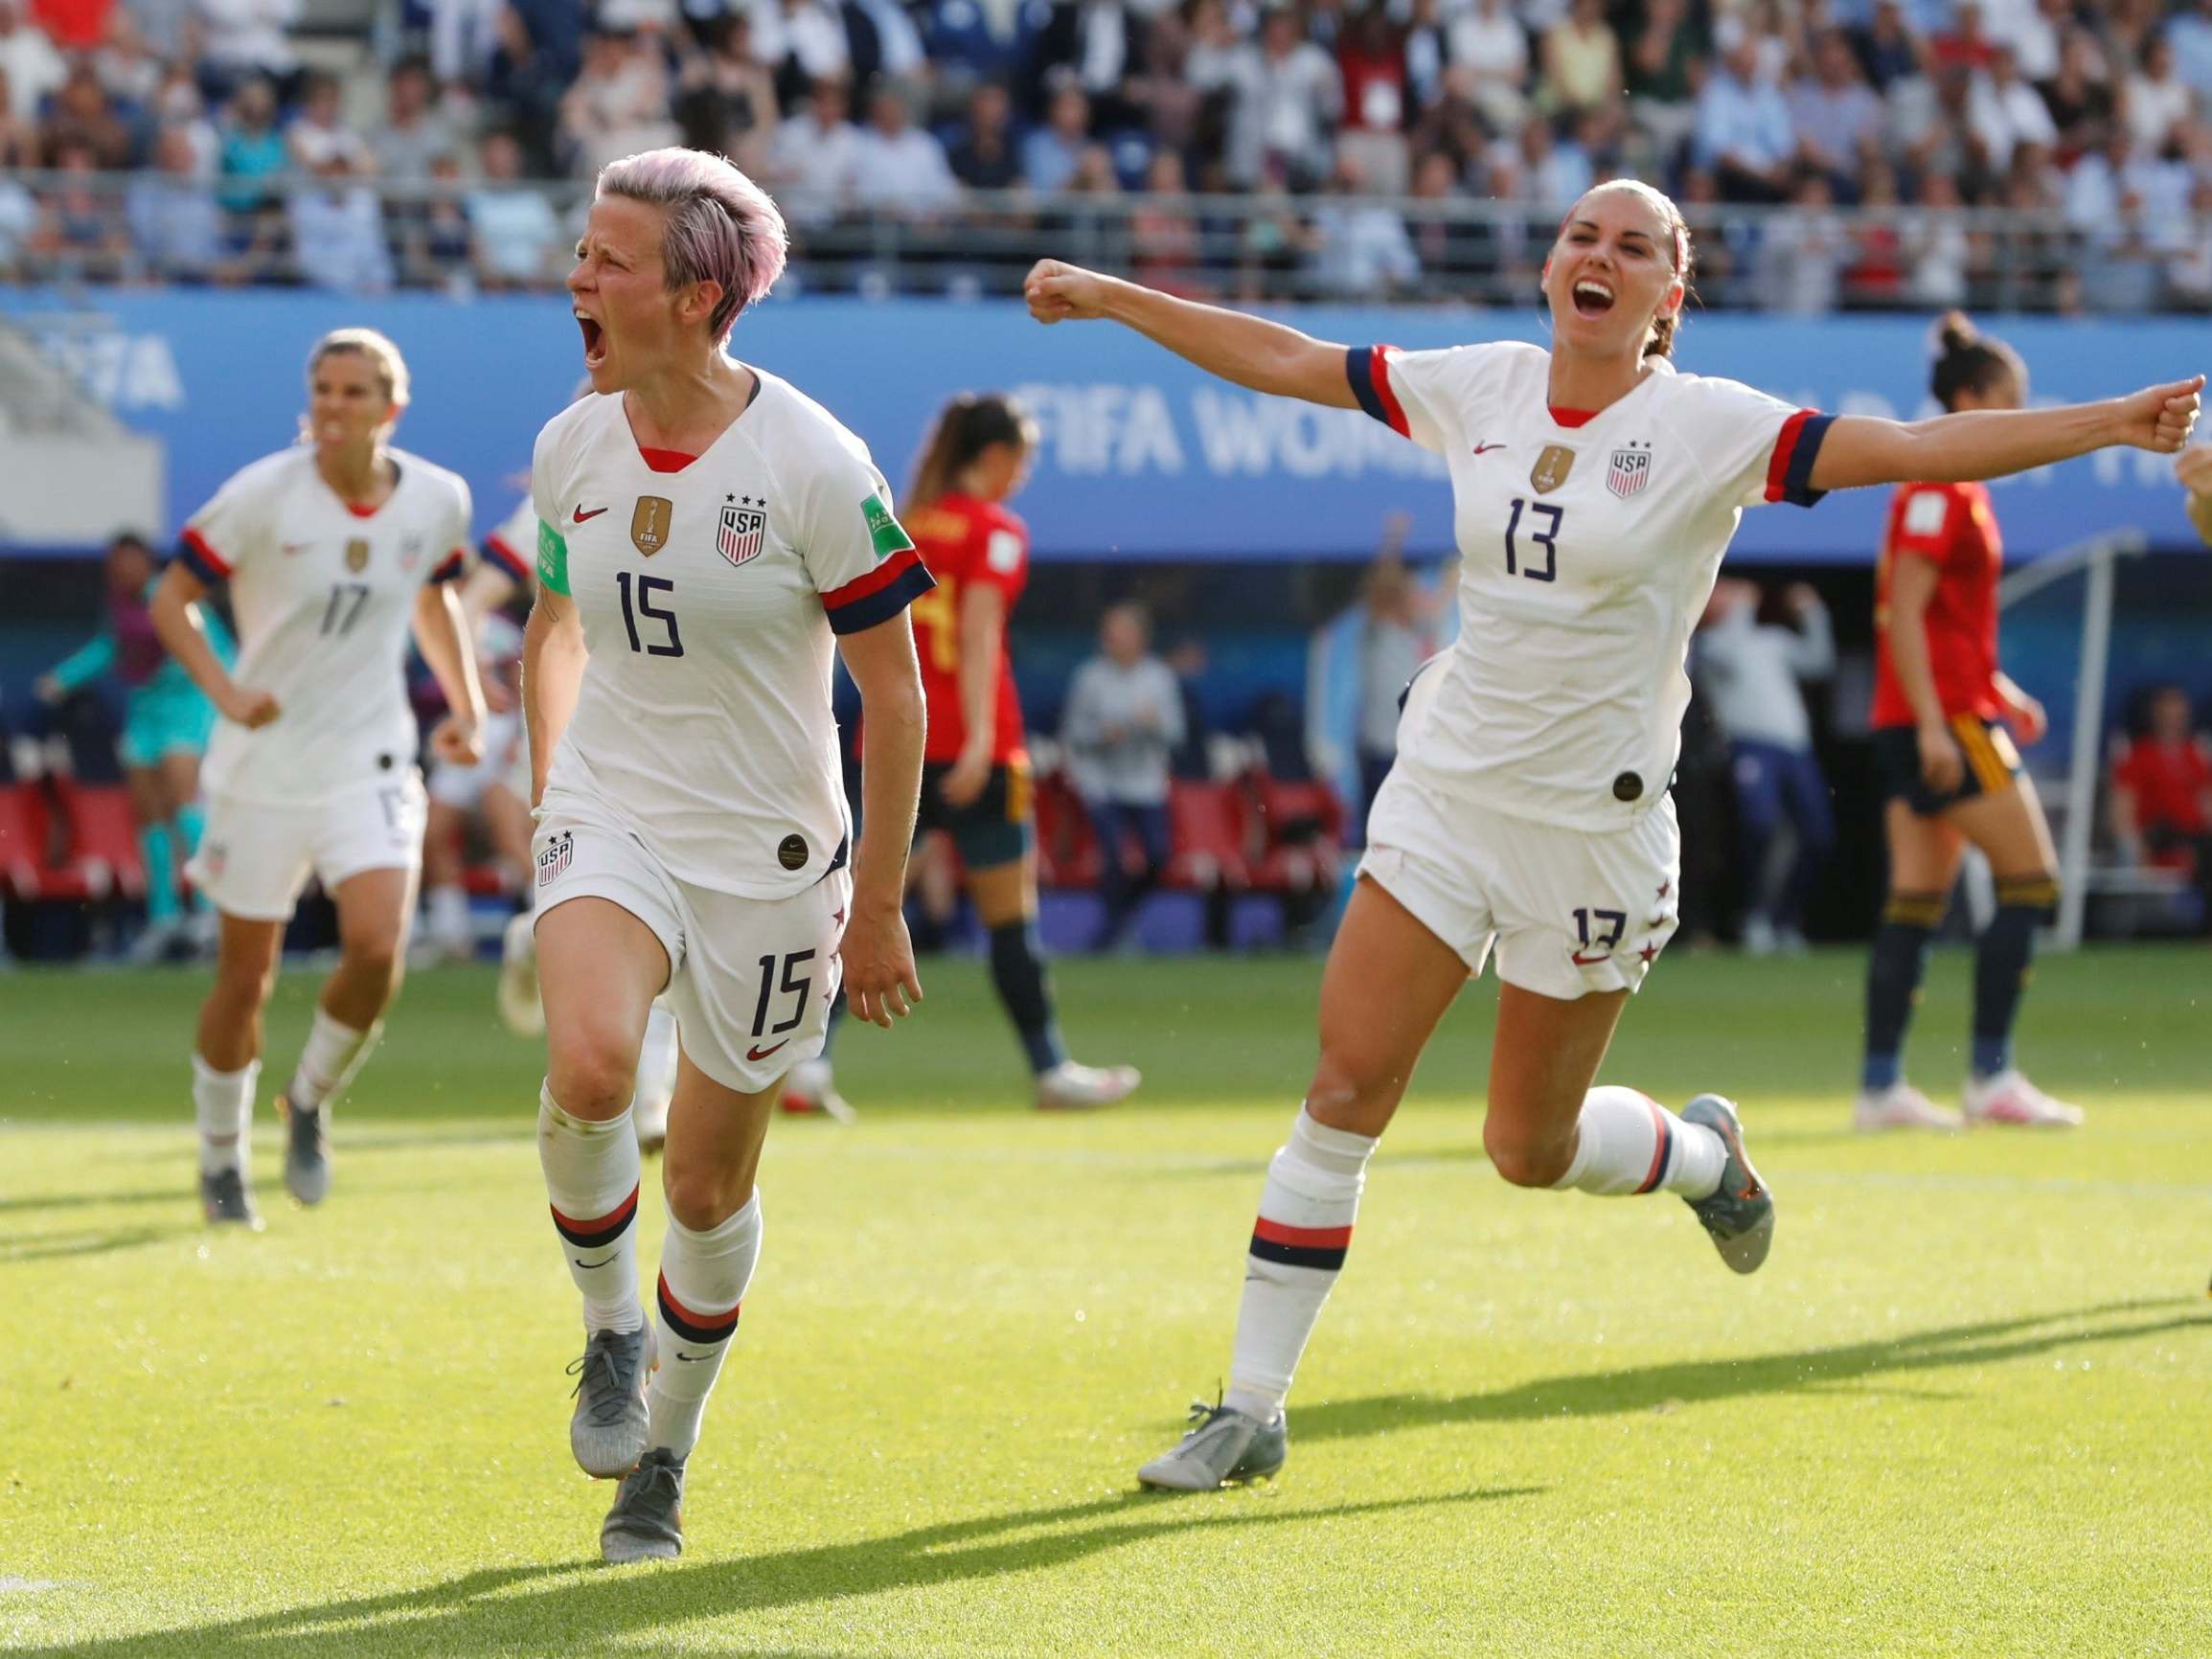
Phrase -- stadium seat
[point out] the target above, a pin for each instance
(1206, 830)
(1068, 849)
(102, 837)
(1302, 833)
(22, 842)
(52, 854)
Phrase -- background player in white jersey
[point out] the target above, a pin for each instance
(1595, 490)
(708, 538)
(333, 550)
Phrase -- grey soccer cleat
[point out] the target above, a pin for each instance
(1739, 1214)
(224, 1200)
(306, 1151)
(1224, 1445)
(647, 1523)
(608, 1432)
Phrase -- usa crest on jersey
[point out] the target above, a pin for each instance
(1630, 471)
(738, 534)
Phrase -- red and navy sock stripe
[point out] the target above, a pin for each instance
(1368, 369)
(1662, 1152)
(592, 1232)
(1321, 1247)
(878, 595)
(692, 1326)
(1790, 471)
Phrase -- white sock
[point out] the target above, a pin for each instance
(657, 1074)
(591, 1184)
(1298, 1243)
(447, 910)
(333, 1057)
(704, 1278)
(1628, 1143)
(222, 1102)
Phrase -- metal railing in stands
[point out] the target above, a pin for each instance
(134, 227)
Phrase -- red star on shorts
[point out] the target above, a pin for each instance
(1664, 888)
(1650, 952)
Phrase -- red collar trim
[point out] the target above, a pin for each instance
(1573, 417)
(666, 460)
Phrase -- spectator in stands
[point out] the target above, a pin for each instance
(2162, 796)
(1102, 42)
(464, 36)
(2189, 33)
(2006, 112)
(318, 131)
(2157, 100)
(1124, 717)
(726, 99)
(337, 228)
(898, 168)
(983, 157)
(414, 132)
(804, 44)
(1160, 97)
(1751, 673)
(1892, 52)
(126, 66)
(617, 105)
(1361, 248)
(1581, 62)
(1371, 58)
(242, 39)
(1937, 243)
(18, 225)
(1834, 114)
(27, 61)
(2036, 34)
(540, 45)
(1288, 98)
(1803, 253)
(2079, 98)
(81, 231)
(814, 155)
(1744, 135)
(1168, 251)
(1554, 174)
(18, 134)
(1662, 71)
(176, 224)
(82, 116)
(1049, 153)
(1397, 636)
(1874, 271)
(177, 102)
(253, 149)
(971, 44)
(516, 238)
(1490, 68)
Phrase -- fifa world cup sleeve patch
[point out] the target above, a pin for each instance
(884, 531)
(551, 559)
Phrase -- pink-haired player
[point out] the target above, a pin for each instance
(706, 537)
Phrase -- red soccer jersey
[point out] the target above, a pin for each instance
(964, 542)
(2168, 782)
(1952, 525)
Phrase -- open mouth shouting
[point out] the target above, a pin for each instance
(1594, 296)
(594, 340)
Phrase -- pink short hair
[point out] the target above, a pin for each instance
(721, 226)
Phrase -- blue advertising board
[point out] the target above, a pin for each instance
(1142, 458)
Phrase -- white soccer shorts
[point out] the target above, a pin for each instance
(750, 980)
(1569, 911)
(462, 788)
(254, 859)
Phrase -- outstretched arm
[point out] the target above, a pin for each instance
(1249, 350)
(1861, 449)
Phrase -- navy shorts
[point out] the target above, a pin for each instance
(993, 828)
(1992, 764)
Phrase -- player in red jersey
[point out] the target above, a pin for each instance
(975, 777)
(1950, 773)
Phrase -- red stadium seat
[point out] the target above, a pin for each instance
(102, 837)
(1302, 822)
(1206, 828)
(1068, 849)
(22, 841)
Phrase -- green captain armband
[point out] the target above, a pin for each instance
(551, 559)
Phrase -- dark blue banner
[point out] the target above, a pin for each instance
(1144, 457)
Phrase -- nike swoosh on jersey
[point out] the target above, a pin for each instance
(1582, 961)
(1485, 448)
(291, 547)
(582, 517)
(760, 1053)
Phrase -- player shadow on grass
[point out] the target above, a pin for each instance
(499, 1609)
(1653, 1387)
(184, 1198)
(90, 1242)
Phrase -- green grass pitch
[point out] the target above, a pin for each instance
(1965, 1409)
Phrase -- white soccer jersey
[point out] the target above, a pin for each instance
(323, 596)
(710, 596)
(1589, 547)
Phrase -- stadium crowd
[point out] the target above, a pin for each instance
(1282, 147)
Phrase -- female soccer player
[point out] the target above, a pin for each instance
(331, 550)
(1949, 773)
(975, 779)
(166, 724)
(1595, 490)
(707, 536)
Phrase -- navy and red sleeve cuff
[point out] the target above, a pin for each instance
(1368, 369)
(510, 563)
(878, 595)
(1790, 471)
(201, 559)
(450, 568)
